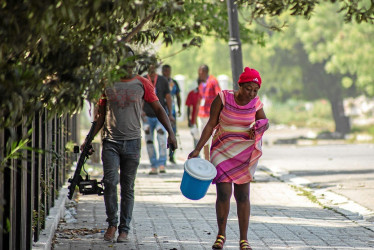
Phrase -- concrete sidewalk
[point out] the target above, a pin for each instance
(163, 218)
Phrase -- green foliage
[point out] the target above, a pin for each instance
(69, 147)
(344, 48)
(358, 10)
(301, 114)
(213, 52)
(56, 54)
(14, 149)
(363, 129)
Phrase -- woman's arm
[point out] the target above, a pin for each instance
(215, 111)
(260, 114)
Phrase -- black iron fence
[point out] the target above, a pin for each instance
(36, 166)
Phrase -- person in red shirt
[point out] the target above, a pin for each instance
(191, 103)
(208, 90)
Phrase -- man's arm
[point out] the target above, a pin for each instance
(197, 108)
(179, 103)
(178, 98)
(188, 116)
(169, 106)
(163, 118)
(99, 118)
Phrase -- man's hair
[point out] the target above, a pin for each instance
(204, 67)
(165, 66)
(127, 60)
(129, 51)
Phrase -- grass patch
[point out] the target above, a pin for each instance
(302, 192)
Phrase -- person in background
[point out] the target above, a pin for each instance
(192, 103)
(208, 90)
(118, 112)
(239, 121)
(151, 122)
(176, 102)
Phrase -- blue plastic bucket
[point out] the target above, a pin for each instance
(197, 176)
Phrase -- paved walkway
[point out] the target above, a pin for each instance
(281, 218)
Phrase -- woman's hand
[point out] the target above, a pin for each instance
(195, 153)
(252, 134)
(252, 131)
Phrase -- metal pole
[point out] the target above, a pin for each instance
(234, 43)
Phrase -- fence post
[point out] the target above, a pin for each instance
(30, 175)
(43, 174)
(2, 187)
(37, 143)
(49, 166)
(22, 191)
(12, 200)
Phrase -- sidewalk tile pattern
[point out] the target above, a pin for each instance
(164, 219)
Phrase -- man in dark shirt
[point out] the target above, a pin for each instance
(151, 123)
(176, 102)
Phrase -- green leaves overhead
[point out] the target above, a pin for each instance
(56, 54)
(358, 10)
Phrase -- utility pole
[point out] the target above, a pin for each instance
(234, 43)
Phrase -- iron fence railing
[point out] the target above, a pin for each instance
(36, 166)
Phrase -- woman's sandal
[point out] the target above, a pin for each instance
(244, 244)
(218, 244)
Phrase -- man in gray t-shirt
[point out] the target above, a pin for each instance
(118, 113)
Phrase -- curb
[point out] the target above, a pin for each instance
(51, 223)
(330, 200)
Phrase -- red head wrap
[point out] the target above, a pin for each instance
(250, 75)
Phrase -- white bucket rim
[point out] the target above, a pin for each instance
(207, 178)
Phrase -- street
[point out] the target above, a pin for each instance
(347, 170)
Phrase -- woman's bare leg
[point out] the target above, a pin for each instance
(241, 194)
(224, 191)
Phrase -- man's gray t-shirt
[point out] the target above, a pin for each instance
(124, 102)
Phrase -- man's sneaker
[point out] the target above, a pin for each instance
(162, 169)
(172, 160)
(153, 171)
(122, 237)
(110, 233)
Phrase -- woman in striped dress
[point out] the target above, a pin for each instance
(238, 121)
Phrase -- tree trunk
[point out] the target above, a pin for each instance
(325, 85)
(342, 124)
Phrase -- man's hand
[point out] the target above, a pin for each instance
(171, 118)
(172, 143)
(90, 152)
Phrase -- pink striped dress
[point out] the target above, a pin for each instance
(232, 152)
